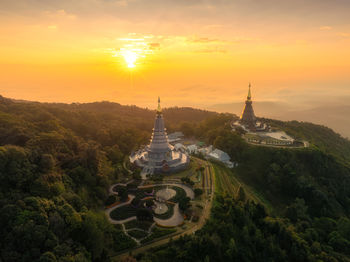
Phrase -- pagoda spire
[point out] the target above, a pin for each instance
(249, 97)
(159, 109)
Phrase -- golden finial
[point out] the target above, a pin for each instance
(249, 97)
(159, 109)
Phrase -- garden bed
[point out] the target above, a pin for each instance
(144, 225)
(157, 233)
(123, 212)
(138, 234)
(180, 194)
(168, 214)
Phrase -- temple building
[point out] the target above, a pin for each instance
(257, 132)
(248, 117)
(159, 156)
(248, 120)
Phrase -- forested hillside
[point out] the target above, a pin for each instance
(57, 161)
(308, 192)
(321, 137)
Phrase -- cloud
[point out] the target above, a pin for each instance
(208, 45)
(211, 50)
(154, 46)
(122, 3)
(342, 34)
(326, 28)
(61, 13)
(203, 40)
(52, 27)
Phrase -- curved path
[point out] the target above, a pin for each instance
(188, 190)
(191, 230)
(175, 220)
(112, 192)
(109, 210)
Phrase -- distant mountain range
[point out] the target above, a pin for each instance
(333, 115)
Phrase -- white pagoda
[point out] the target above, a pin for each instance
(159, 156)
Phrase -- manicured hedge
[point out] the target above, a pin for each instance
(145, 225)
(138, 234)
(158, 232)
(123, 212)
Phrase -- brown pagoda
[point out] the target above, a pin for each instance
(248, 118)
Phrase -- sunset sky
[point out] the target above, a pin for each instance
(191, 53)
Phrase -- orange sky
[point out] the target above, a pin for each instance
(191, 53)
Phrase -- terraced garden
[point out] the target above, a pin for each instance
(225, 182)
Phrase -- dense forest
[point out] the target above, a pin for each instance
(57, 161)
(308, 190)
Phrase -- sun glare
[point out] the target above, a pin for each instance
(134, 50)
(130, 58)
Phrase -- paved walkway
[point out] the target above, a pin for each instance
(109, 210)
(188, 190)
(112, 192)
(191, 230)
(175, 220)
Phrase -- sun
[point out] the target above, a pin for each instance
(130, 58)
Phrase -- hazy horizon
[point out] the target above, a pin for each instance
(190, 53)
(334, 115)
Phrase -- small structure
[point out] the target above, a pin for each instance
(205, 150)
(159, 156)
(179, 147)
(221, 156)
(216, 154)
(192, 149)
(175, 137)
